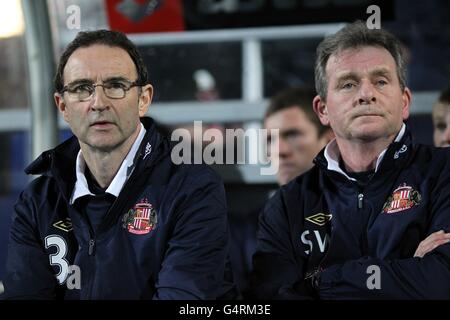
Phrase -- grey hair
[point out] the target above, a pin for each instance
(353, 36)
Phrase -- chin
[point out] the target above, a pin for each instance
(370, 132)
(285, 179)
(103, 145)
(282, 179)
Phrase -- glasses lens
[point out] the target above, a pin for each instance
(115, 93)
(84, 94)
(80, 91)
(116, 89)
(112, 89)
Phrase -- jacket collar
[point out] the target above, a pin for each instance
(394, 155)
(126, 168)
(60, 162)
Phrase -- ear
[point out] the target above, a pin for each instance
(61, 105)
(406, 98)
(320, 108)
(145, 99)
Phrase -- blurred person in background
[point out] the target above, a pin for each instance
(301, 135)
(441, 119)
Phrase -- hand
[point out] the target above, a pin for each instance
(431, 242)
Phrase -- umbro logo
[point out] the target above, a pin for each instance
(319, 218)
(64, 225)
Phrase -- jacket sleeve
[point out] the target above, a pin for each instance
(412, 278)
(28, 273)
(196, 255)
(370, 278)
(277, 273)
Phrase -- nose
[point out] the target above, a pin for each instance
(366, 93)
(284, 148)
(100, 102)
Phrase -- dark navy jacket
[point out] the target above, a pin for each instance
(325, 227)
(183, 256)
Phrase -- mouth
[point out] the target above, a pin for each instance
(286, 166)
(367, 112)
(101, 124)
(368, 115)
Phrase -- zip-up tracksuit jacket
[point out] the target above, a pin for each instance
(325, 236)
(164, 237)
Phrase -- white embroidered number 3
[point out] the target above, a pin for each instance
(58, 258)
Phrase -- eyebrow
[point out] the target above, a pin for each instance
(347, 76)
(79, 81)
(380, 72)
(350, 75)
(438, 116)
(89, 81)
(116, 78)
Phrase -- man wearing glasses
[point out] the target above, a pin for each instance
(111, 216)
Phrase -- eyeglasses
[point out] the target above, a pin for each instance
(114, 89)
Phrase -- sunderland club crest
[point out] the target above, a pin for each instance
(402, 198)
(141, 219)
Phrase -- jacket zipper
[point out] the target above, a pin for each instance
(364, 244)
(92, 246)
(91, 253)
(91, 250)
(118, 205)
(360, 200)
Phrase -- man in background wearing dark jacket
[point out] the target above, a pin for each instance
(352, 227)
(112, 217)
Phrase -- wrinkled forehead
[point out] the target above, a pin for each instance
(441, 111)
(289, 118)
(360, 59)
(99, 62)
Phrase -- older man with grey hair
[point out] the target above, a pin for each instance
(368, 221)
